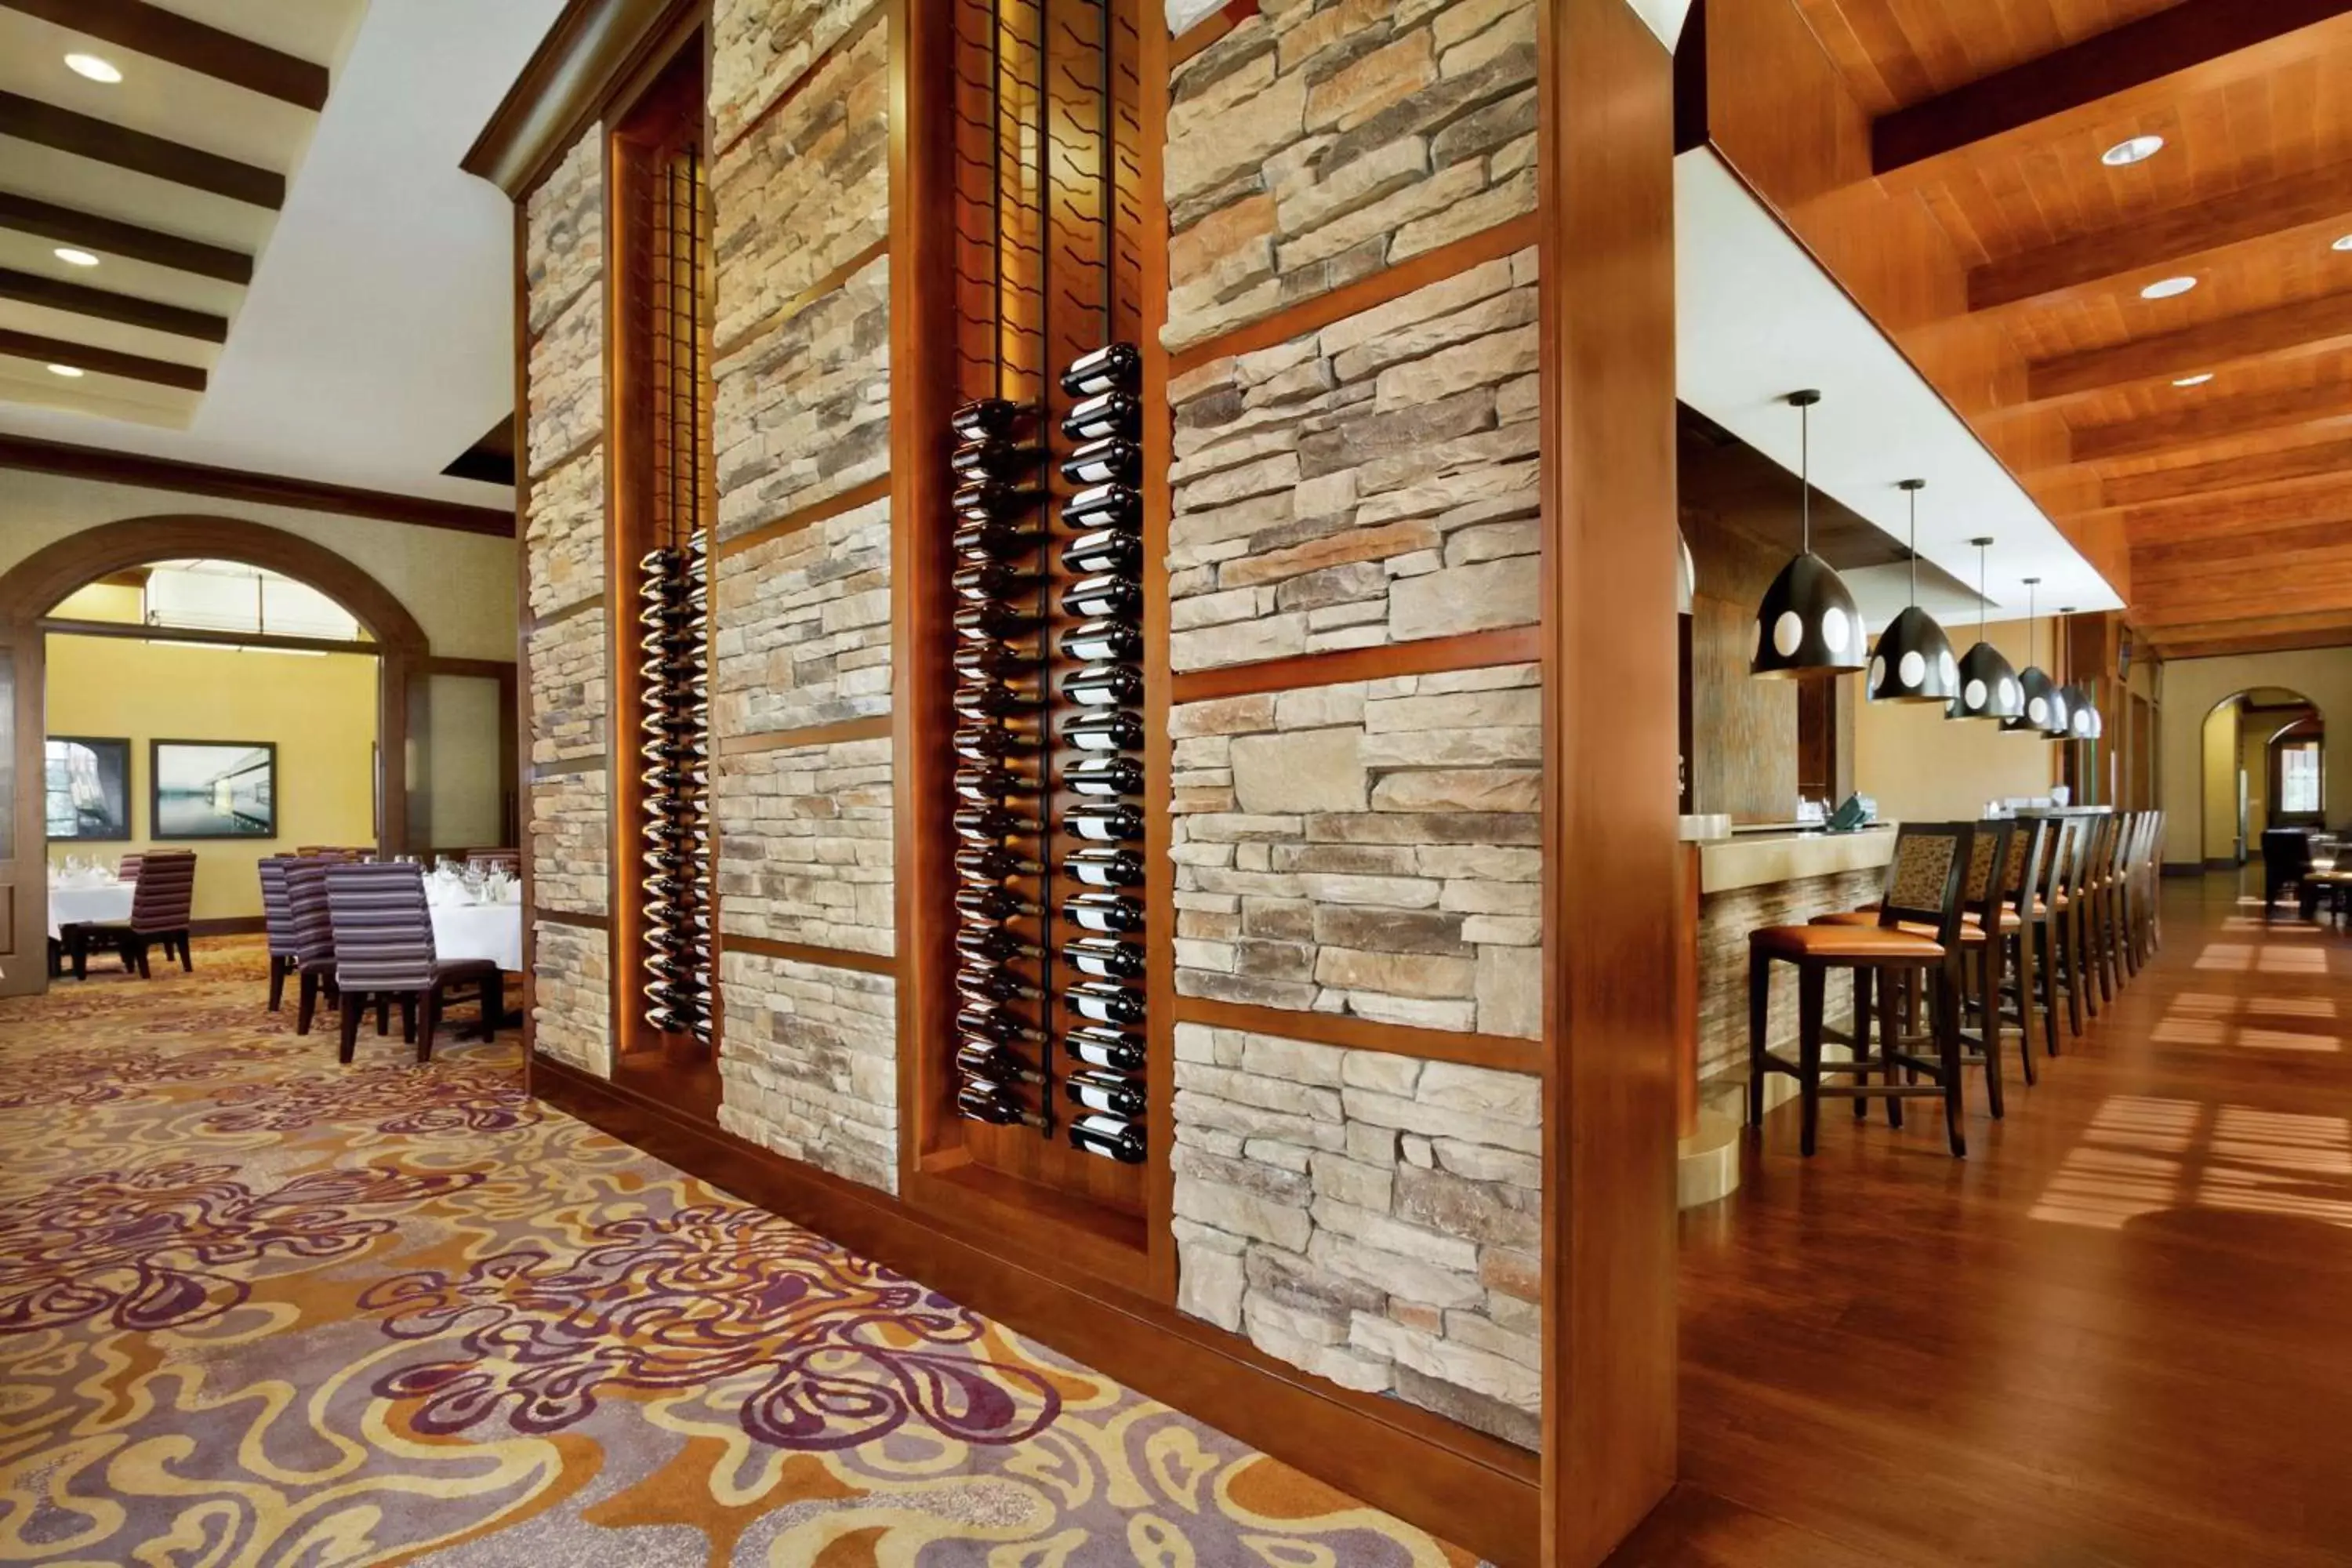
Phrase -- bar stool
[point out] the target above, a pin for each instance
(1924, 887)
(2023, 921)
(2062, 931)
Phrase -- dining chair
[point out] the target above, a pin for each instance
(383, 952)
(158, 918)
(277, 924)
(127, 869)
(314, 937)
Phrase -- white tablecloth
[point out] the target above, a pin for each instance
(479, 930)
(72, 906)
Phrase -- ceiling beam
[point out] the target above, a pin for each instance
(2177, 239)
(2295, 503)
(174, 39)
(127, 240)
(2283, 331)
(102, 361)
(2260, 590)
(2164, 560)
(105, 305)
(238, 485)
(2142, 55)
(2258, 636)
(30, 119)
(2214, 419)
(2320, 457)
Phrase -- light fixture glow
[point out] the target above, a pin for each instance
(94, 68)
(72, 258)
(2132, 150)
(70, 371)
(2200, 379)
(2341, 242)
(2165, 287)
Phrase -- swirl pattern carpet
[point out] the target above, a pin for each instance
(259, 1309)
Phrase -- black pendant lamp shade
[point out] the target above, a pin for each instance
(2082, 715)
(1914, 662)
(2044, 712)
(1807, 624)
(1988, 687)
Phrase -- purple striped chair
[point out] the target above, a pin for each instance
(384, 950)
(159, 917)
(278, 921)
(314, 936)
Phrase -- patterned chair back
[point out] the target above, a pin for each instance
(305, 903)
(1988, 847)
(1926, 881)
(166, 887)
(384, 929)
(2028, 851)
(127, 869)
(277, 906)
(2065, 849)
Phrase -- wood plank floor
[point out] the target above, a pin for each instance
(2120, 1333)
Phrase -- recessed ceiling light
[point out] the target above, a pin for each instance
(70, 371)
(94, 68)
(2135, 150)
(67, 254)
(2343, 242)
(2200, 379)
(2165, 287)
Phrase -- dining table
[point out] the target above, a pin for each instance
(82, 903)
(468, 928)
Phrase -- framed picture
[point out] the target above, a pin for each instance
(87, 788)
(212, 789)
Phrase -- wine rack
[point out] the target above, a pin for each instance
(674, 591)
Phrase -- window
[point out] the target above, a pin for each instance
(225, 596)
(2299, 789)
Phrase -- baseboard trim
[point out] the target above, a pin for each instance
(1474, 1491)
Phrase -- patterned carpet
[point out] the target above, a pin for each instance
(259, 1310)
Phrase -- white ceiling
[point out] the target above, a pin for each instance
(376, 342)
(1756, 319)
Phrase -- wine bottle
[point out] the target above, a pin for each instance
(1103, 1002)
(987, 419)
(995, 862)
(1098, 642)
(1107, 822)
(1106, 596)
(992, 904)
(1107, 1136)
(990, 783)
(991, 623)
(978, 704)
(1104, 414)
(991, 661)
(991, 583)
(986, 1061)
(1105, 958)
(1104, 550)
(1001, 985)
(992, 942)
(1104, 506)
(992, 459)
(984, 1101)
(988, 743)
(1112, 462)
(986, 824)
(1104, 730)
(1104, 686)
(992, 541)
(1106, 775)
(1105, 1091)
(1113, 366)
(1103, 868)
(991, 500)
(1099, 1045)
(1103, 911)
(987, 1021)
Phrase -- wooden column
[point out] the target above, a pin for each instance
(1606, 142)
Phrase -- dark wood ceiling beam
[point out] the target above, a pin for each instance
(2214, 419)
(127, 240)
(2210, 41)
(2177, 239)
(102, 361)
(2302, 327)
(2261, 635)
(174, 39)
(105, 305)
(2311, 461)
(238, 485)
(30, 119)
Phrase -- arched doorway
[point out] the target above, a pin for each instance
(34, 587)
(2260, 766)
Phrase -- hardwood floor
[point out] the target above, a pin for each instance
(2120, 1333)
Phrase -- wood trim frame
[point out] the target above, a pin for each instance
(810, 952)
(103, 362)
(594, 46)
(1505, 1052)
(575, 918)
(876, 728)
(1431, 656)
(1477, 1491)
(808, 516)
(30, 456)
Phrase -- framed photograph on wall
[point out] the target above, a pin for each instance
(86, 783)
(212, 789)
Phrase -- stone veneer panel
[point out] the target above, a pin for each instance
(804, 412)
(571, 1013)
(1371, 848)
(1372, 1219)
(1373, 482)
(760, 49)
(804, 627)
(807, 190)
(806, 846)
(1725, 920)
(569, 845)
(809, 1061)
(568, 683)
(565, 221)
(563, 533)
(1318, 142)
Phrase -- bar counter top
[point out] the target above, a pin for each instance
(1757, 859)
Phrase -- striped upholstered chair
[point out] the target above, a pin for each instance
(314, 936)
(278, 921)
(159, 917)
(384, 950)
(127, 869)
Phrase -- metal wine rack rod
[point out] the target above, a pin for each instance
(674, 613)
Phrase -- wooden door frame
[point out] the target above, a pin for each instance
(35, 585)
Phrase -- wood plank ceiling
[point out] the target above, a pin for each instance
(2213, 426)
(132, 210)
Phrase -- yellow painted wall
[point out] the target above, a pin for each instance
(2192, 686)
(319, 710)
(2221, 784)
(1923, 767)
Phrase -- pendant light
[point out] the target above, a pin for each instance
(1807, 624)
(1989, 687)
(2045, 708)
(2083, 721)
(1914, 662)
